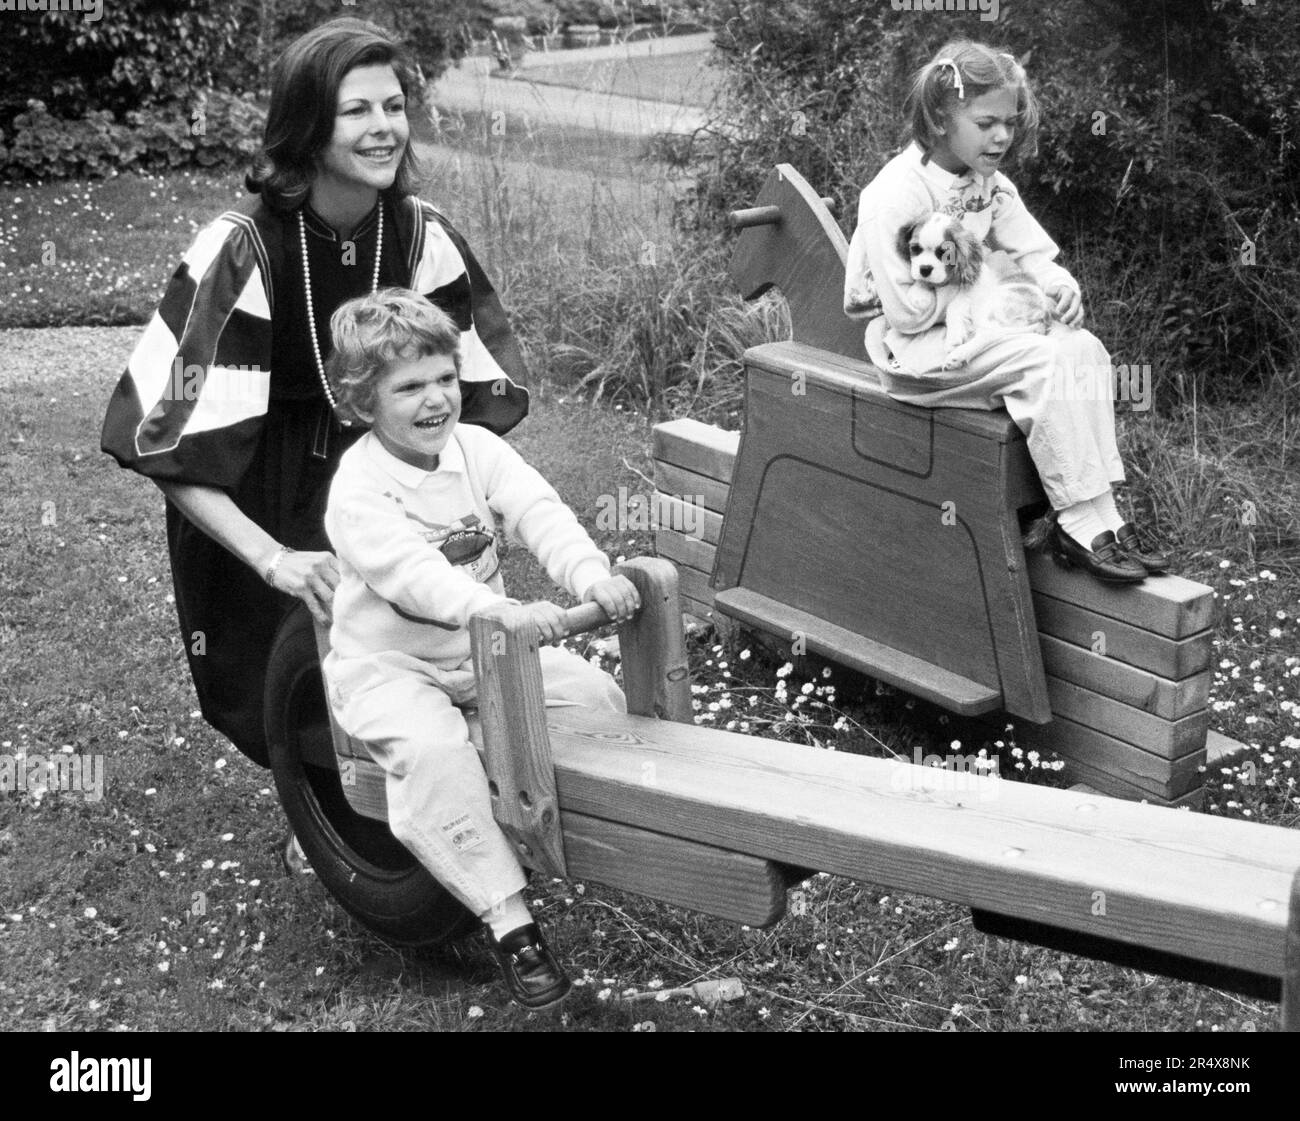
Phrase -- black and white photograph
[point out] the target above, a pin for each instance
(768, 516)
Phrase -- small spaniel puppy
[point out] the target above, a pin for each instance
(942, 252)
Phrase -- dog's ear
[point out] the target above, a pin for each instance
(962, 254)
(904, 242)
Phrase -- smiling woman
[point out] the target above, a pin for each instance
(246, 454)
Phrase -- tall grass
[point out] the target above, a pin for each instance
(612, 300)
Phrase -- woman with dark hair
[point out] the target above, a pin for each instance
(224, 402)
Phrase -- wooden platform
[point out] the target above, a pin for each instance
(1127, 669)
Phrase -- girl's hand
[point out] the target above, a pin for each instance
(617, 595)
(1069, 304)
(549, 619)
(312, 577)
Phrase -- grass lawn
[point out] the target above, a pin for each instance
(679, 79)
(100, 900)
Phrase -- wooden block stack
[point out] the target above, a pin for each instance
(693, 463)
(1128, 669)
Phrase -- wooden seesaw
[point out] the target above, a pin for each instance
(887, 538)
(713, 821)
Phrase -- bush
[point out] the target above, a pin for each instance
(221, 129)
(1167, 166)
(155, 65)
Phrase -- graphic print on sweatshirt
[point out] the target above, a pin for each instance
(465, 542)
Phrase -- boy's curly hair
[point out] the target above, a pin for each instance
(373, 332)
(936, 89)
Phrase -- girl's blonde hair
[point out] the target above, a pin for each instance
(961, 71)
(373, 332)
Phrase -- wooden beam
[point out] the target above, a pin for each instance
(685, 550)
(703, 448)
(1169, 739)
(1103, 674)
(1168, 605)
(1291, 978)
(656, 679)
(1212, 889)
(1166, 657)
(675, 514)
(1106, 782)
(678, 481)
(713, 881)
(694, 584)
(1138, 769)
(517, 749)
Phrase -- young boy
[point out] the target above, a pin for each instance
(411, 515)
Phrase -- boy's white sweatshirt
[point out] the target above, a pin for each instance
(418, 550)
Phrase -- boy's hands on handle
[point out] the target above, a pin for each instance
(1068, 304)
(614, 600)
(551, 620)
(617, 595)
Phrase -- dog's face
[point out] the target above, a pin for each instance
(940, 251)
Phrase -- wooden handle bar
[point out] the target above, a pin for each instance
(585, 617)
(765, 215)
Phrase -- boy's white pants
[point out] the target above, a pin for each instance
(438, 801)
(1057, 388)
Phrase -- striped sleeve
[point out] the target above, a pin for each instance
(494, 379)
(190, 406)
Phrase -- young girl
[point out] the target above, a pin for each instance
(970, 110)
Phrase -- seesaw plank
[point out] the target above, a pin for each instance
(1170, 658)
(1168, 605)
(677, 480)
(1210, 889)
(743, 889)
(713, 881)
(1103, 674)
(702, 448)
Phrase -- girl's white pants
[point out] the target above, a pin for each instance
(438, 801)
(1057, 387)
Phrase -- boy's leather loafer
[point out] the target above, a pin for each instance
(533, 976)
(1131, 543)
(1105, 560)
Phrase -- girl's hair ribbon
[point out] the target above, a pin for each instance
(956, 76)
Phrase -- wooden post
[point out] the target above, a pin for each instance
(511, 705)
(1291, 976)
(656, 679)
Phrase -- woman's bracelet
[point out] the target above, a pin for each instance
(269, 575)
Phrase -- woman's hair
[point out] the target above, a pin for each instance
(961, 71)
(372, 333)
(305, 82)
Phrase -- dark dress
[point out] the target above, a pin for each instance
(197, 405)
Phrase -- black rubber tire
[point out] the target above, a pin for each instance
(372, 875)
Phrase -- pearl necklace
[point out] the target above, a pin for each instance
(311, 314)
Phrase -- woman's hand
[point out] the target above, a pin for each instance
(617, 595)
(1068, 304)
(312, 577)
